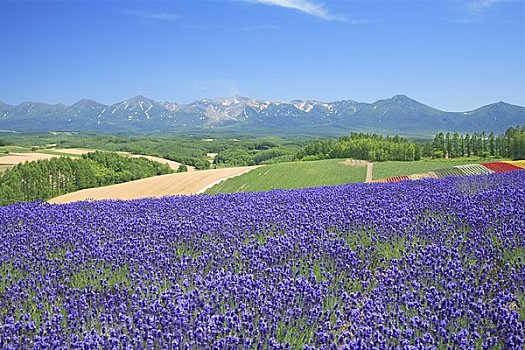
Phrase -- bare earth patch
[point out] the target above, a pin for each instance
(427, 175)
(355, 162)
(75, 151)
(80, 151)
(173, 165)
(159, 186)
(17, 158)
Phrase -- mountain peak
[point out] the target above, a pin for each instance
(497, 107)
(86, 102)
(402, 98)
(140, 98)
(139, 102)
(139, 114)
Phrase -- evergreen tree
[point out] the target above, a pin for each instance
(492, 144)
(439, 145)
(449, 145)
(468, 145)
(456, 146)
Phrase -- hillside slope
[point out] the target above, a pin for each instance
(158, 186)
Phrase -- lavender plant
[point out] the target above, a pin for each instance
(429, 264)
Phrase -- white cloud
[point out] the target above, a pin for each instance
(158, 16)
(474, 11)
(305, 6)
(480, 5)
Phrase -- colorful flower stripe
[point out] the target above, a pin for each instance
(463, 170)
(420, 176)
(452, 171)
(500, 167)
(473, 169)
(518, 163)
(398, 178)
(394, 179)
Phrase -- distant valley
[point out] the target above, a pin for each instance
(399, 114)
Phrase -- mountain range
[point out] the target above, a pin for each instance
(399, 114)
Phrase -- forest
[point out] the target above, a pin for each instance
(190, 150)
(511, 144)
(378, 148)
(44, 179)
(370, 147)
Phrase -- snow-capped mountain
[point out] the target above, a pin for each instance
(399, 114)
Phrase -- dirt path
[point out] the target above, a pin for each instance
(369, 172)
(358, 162)
(158, 186)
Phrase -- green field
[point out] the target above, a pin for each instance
(292, 175)
(58, 153)
(7, 150)
(326, 173)
(4, 150)
(384, 170)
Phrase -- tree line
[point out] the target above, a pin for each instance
(44, 179)
(241, 156)
(511, 144)
(370, 147)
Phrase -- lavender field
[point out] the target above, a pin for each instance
(429, 264)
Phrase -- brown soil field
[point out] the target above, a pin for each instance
(76, 151)
(355, 162)
(16, 158)
(158, 186)
(79, 151)
(173, 165)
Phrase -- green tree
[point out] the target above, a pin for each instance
(439, 145)
(468, 145)
(492, 144)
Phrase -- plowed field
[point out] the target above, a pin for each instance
(158, 186)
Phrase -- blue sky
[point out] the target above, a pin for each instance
(453, 55)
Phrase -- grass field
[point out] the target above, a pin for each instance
(4, 149)
(63, 153)
(392, 168)
(292, 175)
